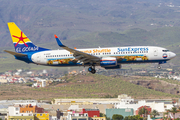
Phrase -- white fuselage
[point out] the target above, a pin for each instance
(124, 55)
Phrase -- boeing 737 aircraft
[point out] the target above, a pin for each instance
(108, 58)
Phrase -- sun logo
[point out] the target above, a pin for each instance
(20, 39)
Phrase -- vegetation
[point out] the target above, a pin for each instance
(166, 115)
(174, 111)
(143, 112)
(135, 117)
(117, 117)
(104, 115)
(91, 86)
(154, 113)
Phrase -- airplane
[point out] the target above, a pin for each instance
(108, 58)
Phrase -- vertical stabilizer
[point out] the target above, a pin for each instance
(21, 42)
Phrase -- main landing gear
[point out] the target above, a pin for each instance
(92, 69)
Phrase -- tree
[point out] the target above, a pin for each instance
(166, 113)
(117, 117)
(174, 111)
(135, 117)
(177, 119)
(102, 115)
(154, 113)
(143, 111)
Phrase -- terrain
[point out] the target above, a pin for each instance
(96, 86)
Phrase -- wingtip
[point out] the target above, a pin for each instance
(55, 36)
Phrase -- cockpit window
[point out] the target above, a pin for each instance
(165, 50)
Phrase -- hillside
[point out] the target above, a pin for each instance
(88, 86)
(75, 18)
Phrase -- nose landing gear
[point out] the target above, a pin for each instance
(159, 67)
(92, 70)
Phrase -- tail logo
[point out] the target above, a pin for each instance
(20, 39)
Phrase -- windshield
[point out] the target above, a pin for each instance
(165, 50)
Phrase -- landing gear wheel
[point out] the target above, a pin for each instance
(159, 67)
(91, 70)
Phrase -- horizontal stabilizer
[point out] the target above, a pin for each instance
(15, 53)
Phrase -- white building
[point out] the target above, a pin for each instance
(73, 114)
(114, 101)
(40, 83)
(159, 106)
(27, 102)
(15, 111)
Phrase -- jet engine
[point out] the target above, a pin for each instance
(108, 62)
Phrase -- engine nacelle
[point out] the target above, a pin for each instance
(108, 62)
(114, 67)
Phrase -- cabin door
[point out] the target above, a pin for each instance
(38, 57)
(155, 51)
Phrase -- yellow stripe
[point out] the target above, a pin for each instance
(15, 31)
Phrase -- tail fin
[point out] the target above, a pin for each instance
(21, 42)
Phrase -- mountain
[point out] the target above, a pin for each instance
(92, 23)
(40, 19)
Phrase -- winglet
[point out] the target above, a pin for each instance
(55, 36)
(58, 41)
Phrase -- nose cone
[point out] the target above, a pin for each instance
(173, 55)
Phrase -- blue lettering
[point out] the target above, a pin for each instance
(27, 49)
(131, 49)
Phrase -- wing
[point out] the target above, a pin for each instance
(83, 57)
